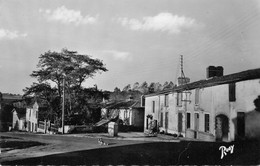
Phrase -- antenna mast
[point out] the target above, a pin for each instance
(181, 60)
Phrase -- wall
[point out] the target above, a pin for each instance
(161, 108)
(18, 124)
(215, 101)
(32, 117)
(148, 109)
(212, 101)
(15, 120)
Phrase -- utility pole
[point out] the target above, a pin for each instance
(63, 104)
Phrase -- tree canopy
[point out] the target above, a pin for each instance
(55, 67)
(75, 68)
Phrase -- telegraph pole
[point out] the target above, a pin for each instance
(63, 104)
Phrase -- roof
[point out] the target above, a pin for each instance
(124, 104)
(9, 98)
(231, 78)
(113, 115)
(226, 79)
(21, 112)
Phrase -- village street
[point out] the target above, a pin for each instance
(80, 149)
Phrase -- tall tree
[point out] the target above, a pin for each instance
(55, 67)
(74, 67)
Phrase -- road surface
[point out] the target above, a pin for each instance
(70, 150)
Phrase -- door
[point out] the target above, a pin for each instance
(241, 124)
(222, 128)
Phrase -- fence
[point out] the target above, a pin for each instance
(47, 127)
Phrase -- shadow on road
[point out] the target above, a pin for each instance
(163, 153)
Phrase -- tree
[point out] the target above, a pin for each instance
(117, 89)
(55, 67)
(47, 95)
(135, 86)
(127, 88)
(158, 87)
(74, 67)
(144, 88)
(167, 85)
(151, 88)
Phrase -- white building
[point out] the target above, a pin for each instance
(218, 108)
(26, 118)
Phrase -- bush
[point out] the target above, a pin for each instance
(81, 129)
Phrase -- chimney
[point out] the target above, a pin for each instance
(213, 71)
(219, 71)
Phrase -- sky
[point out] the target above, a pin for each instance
(137, 40)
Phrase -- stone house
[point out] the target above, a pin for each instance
(217, 108)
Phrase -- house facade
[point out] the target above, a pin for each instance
(218, 108)
(25, 118)
(19, 119)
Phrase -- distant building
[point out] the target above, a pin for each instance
(25, 117)
(129, 113)
(218, 108)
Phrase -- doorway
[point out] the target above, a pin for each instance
(222, 127)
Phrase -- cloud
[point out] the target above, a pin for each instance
(119, 55)
(7, 34)
(68, 16)
(165, 22)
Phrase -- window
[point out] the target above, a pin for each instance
(206, 122)
(166, 100)
(196, 121)
(188, 120)
(197, 96)
(180, 122)
(232, 92)
(166, 120)
(179, 99)
(153, 106)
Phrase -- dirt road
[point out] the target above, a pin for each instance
(54, 144)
